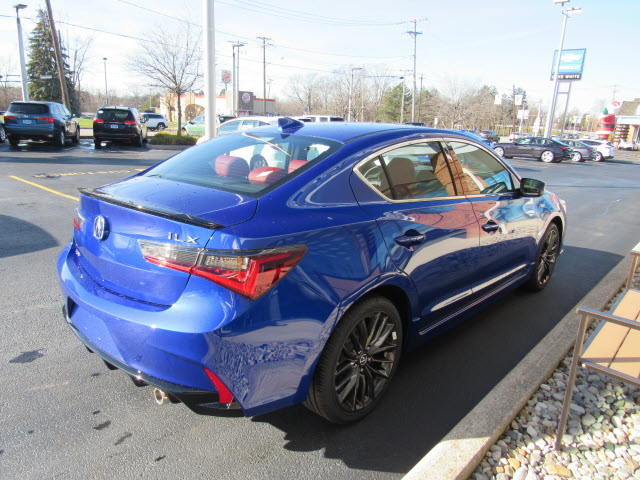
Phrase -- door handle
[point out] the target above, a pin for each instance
(491, 227)
(410, 238)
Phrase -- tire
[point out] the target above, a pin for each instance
(358, 362)
(545, 260)
(139, 141)
(60, 140)
(599, 157)
(3, 135)
(184, 131)
(160, 127)
(76, 137)
(257, 161)
(97, 144)
(14, 142)
(499, 151)
(547, 156)
(576, 157)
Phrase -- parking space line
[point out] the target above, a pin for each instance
(45, 188)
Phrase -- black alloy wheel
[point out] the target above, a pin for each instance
(161, 126)
(545, 260)
(358, 362)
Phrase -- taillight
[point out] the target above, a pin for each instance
(46, 119)
(250, 273)
(563, 148)
(98, 120)
(129, 122)
(78, 220)
(9, 117)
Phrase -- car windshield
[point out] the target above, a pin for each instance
(249, 164)
(29, 108)
(112, 115)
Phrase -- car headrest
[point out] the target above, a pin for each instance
(232, 167)
(296, 164)
(266, 175)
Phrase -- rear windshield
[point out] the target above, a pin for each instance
(112, 115)
(29, 108)
(249, 164)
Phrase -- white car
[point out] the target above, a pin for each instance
(624, 145)
(604, 150)
(155, 121)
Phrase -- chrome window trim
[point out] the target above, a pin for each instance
(395, 146)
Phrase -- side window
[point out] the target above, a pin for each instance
(247, 124)
(477, 171)
(229, 127)
(417, 171)
(66, 111)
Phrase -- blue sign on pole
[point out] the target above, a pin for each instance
(571, 64)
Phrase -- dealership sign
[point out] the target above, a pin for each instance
(571, 64)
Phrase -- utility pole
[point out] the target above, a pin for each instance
(264, 73)
(353, 69)
(414, 33)
(236, 75)
(59, 60)
(420, 104)
(402, 99)
(23, 68)
(513, 125)
(362, 93)
(209, 70)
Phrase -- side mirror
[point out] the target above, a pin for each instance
(530, 187)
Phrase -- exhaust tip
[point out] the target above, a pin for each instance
(159, 396)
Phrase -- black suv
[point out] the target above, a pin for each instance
(490, 135)
(40, 121)
(119, 124)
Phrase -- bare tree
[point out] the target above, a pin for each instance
(169, 62)
(9, 83)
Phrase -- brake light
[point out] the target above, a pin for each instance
(46, 119)
(224, 394)
(129, 122)
(9, 117)
(78, 220)
(250, 273)
(98, 120)
(563, 148)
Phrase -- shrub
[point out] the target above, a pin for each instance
(162, 138)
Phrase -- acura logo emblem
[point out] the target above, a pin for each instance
(100, 228)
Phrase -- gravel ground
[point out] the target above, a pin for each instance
(602, 440)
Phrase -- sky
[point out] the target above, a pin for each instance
(501, 43)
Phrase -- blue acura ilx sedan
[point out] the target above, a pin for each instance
(304, 279)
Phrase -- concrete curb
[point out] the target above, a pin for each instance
(457, 455)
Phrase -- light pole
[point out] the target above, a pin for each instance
(353, 69)
(402, 101)
(23, 68)
(106, 91)
(236, 74)
(552, 105)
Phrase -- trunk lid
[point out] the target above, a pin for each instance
(149, 210)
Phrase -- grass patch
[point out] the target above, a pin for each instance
(162, 138)
(85, 122)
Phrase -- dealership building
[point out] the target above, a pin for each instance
(628, 122)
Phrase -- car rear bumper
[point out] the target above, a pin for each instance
(116, 136)
(39, 132)
(264, 359)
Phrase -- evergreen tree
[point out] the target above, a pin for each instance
(391, 100)
(42, 61)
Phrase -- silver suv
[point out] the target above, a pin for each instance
(155, 121)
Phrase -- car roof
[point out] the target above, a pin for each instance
(346, 131)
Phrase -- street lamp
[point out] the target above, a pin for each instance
(23, 68)
(552, 106)
(353, 69)
(106, 91)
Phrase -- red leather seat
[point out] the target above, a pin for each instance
(266, 175)
(231, 167)
(296, 164)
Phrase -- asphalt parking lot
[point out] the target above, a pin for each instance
(64, 415)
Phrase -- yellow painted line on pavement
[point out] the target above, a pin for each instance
(45, 188)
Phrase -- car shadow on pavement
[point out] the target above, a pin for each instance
(18, 237)
(438, 384)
